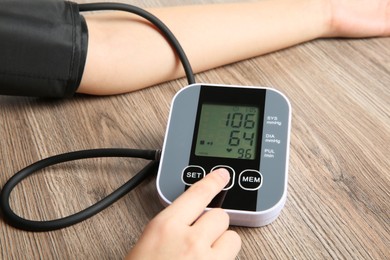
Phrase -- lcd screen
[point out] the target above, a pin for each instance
(228, 131)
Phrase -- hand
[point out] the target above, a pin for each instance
(359, 18)
(182, 232)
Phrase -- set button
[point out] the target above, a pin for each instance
(192, 174)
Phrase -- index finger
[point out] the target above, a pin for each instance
(191, 204)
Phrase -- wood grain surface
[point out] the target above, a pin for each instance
(339, 177)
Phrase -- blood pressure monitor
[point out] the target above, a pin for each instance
(242, 129)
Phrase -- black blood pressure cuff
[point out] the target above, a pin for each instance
(43, 47)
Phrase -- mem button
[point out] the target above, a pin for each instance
(192, 174)
(250, 180)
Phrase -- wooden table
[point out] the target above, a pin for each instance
(339, 181)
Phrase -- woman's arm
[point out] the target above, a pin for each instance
(126, 53)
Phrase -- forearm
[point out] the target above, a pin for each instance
(126, 53)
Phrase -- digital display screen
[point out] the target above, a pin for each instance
(228, 131)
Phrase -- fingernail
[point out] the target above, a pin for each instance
(224, 174)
